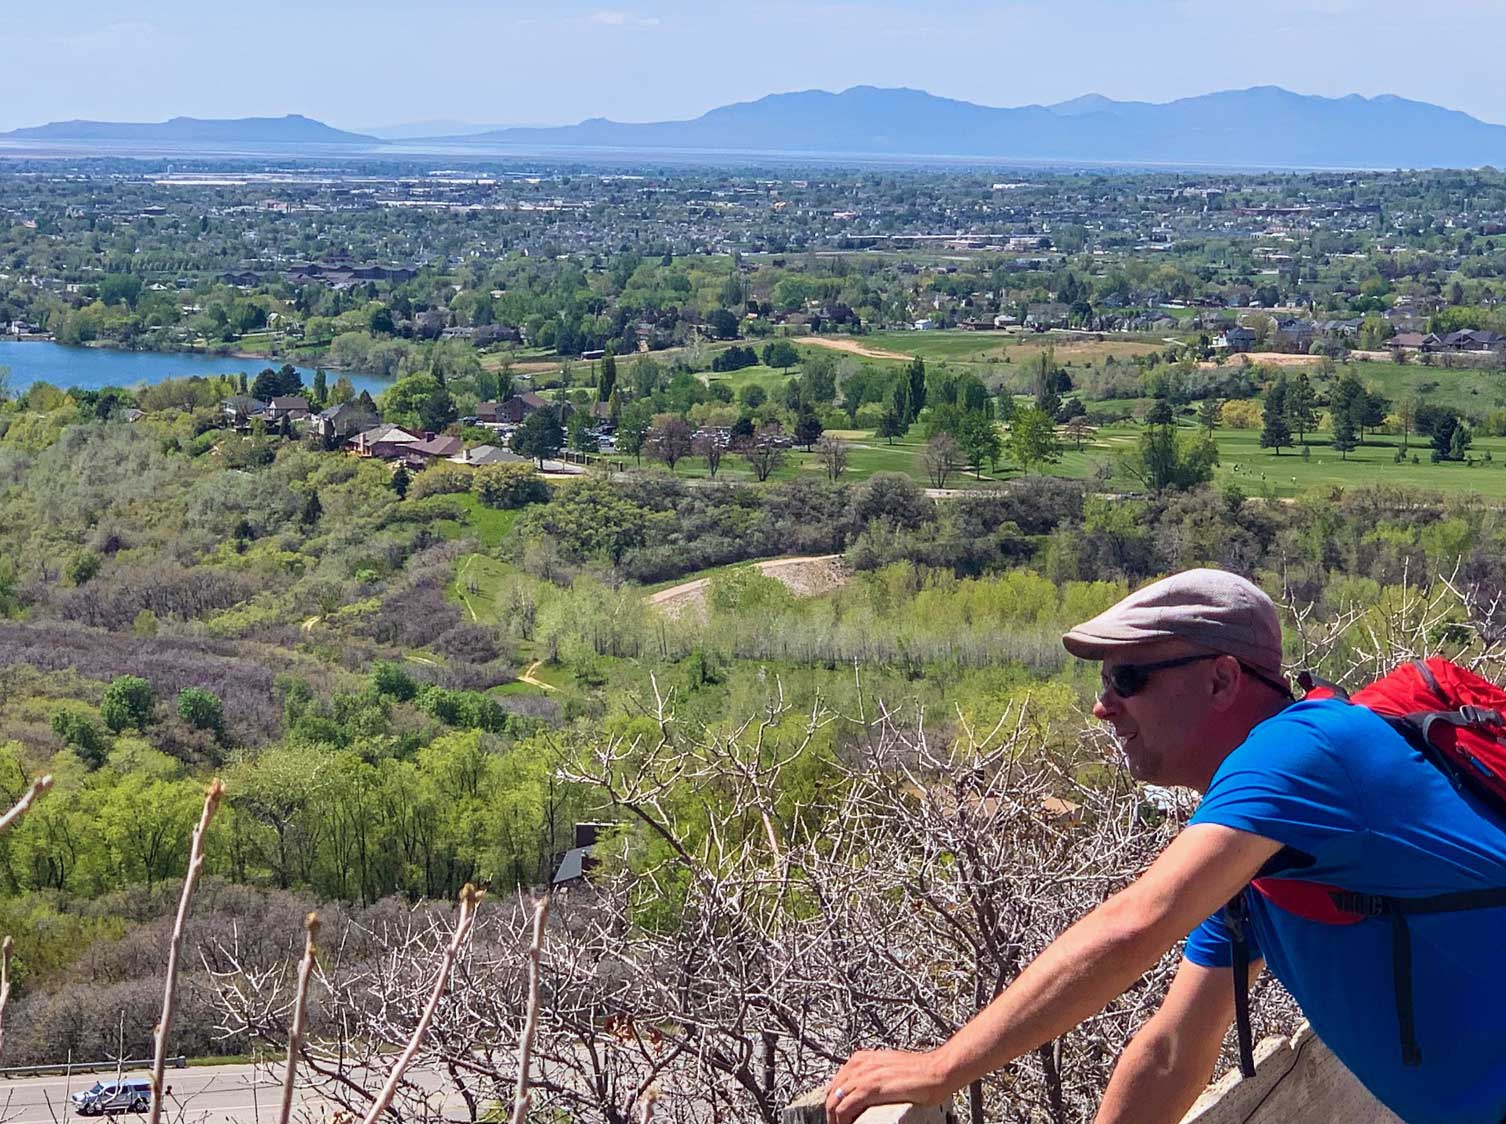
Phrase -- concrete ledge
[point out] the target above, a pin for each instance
(1297, 1081)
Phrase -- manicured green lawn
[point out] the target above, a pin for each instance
(1469, 391)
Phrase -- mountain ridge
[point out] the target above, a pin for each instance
(1258, 126)
(292, 128)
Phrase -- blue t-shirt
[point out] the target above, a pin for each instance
(1357, 807)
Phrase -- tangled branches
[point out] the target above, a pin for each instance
(779, 892)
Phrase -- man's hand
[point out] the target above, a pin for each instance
(1075, 977)
(873, 1077)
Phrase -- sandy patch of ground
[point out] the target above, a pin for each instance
(1267, 359)
(805, 577)
(852, 347)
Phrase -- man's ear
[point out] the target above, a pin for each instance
(1225, 681)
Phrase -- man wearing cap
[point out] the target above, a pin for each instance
(1327, 792)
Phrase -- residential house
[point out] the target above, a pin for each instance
(1047, 314)
(344, 420)
(1295, 333)
(1411, 341)
(577, 862)
(519, 406)
(240, 409)
(384, 442)
(430, 448)
(1473, 339)
(1237, 338)
(480, 455)
(293, 407)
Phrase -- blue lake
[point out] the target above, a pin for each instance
(90, 368)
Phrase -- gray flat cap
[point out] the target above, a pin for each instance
(1214, 609)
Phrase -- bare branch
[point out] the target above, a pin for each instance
(300, 1016)
(531, 1019)
(23, 805)
(175, 949)
(470, 898)
(5, 951)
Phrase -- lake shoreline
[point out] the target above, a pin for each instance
(98, 365)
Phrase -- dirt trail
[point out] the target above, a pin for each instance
(805, 577)
(852, 347)
(532, 680)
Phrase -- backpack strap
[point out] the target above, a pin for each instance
(1236, 920)
(1349, 907)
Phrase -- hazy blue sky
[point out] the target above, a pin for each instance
(381, 62)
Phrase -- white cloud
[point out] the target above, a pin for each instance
(611, 17)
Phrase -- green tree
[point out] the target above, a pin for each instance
(539, 437)
(127, 703)
(891, 426)
(312, 510)
(1301, 403)
(1341, 415)
(1209, 414)
(899, 402)
(808, 428)
(579, 436)
(608, 381)
(916, 373)
(401, 478)
(780, 354)
(1032, 438)
(419, 402)
(201, 709)
(978, 438)
(85, 738)
(1460, 442)
(320, 392)
(509, 486)
(1275, 432)
(1163, 460)
(632, 428)
(390, 679)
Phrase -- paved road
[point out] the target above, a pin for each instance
(223, 1094)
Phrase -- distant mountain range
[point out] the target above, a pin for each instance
(1265, 126)
(293, 129)
(1262, 127)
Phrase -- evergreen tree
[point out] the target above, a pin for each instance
(321, 388)
(1342, 417)
(917, 373)
(1301, 400)
(899, 403)
(400, 481)
(312, 510)
(1275, 433)
(608, 380)
(1209, 414)
(891, 426)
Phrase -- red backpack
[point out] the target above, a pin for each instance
(1457, 721)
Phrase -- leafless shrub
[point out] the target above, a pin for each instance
(928, 866)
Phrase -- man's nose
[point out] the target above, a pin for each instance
(1105, 706)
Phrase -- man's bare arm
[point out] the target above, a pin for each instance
(1076, 976)
(1171, 1059)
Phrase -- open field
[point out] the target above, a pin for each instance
(959, 346)
(1241, 461)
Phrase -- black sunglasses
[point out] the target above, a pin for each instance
(1129, 679)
